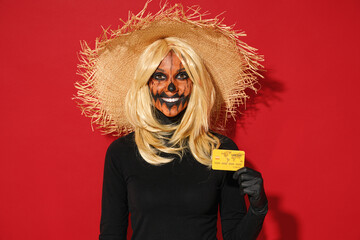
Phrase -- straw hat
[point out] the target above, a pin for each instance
(108, 70)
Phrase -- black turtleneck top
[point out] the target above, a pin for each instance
(175, 201)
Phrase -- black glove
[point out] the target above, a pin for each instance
(251, 183)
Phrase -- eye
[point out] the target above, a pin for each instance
(182, 76)
(158, 76)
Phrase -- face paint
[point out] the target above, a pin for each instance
(170, 86)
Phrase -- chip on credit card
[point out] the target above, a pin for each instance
(229, 160)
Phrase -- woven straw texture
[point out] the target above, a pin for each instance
(108, 69)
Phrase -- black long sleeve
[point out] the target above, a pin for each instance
(114, 209)
(178, 200)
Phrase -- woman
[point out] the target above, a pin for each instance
(161, 173)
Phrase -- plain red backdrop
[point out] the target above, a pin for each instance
(301, 131)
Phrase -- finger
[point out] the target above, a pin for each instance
(245, 170)
(240, 171)
(249, 176)
(252, 192)
(249, 183)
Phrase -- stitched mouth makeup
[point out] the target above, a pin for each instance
(170, 86)
(174, 100)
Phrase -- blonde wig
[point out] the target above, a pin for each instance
(192, 132)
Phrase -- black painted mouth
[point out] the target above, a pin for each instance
(182, 99)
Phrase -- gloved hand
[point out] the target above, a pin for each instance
(251, 183)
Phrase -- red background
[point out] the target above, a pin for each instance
(301, 131)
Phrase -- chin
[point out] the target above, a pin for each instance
(173, 113)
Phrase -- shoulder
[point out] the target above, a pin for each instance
(121, 153)
(226, 143)
(122, 145)
(123, 142)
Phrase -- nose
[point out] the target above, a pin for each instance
(171, 87)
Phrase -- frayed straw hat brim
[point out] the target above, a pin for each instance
(108, 70)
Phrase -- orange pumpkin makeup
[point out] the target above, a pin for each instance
(170, 86)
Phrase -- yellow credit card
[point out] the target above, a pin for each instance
(229, 160)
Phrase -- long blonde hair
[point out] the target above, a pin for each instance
(153, 138)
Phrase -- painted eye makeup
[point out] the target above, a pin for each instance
(182, 75)
(159, 76)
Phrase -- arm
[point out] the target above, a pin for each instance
(114, 207)
(238, 223)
